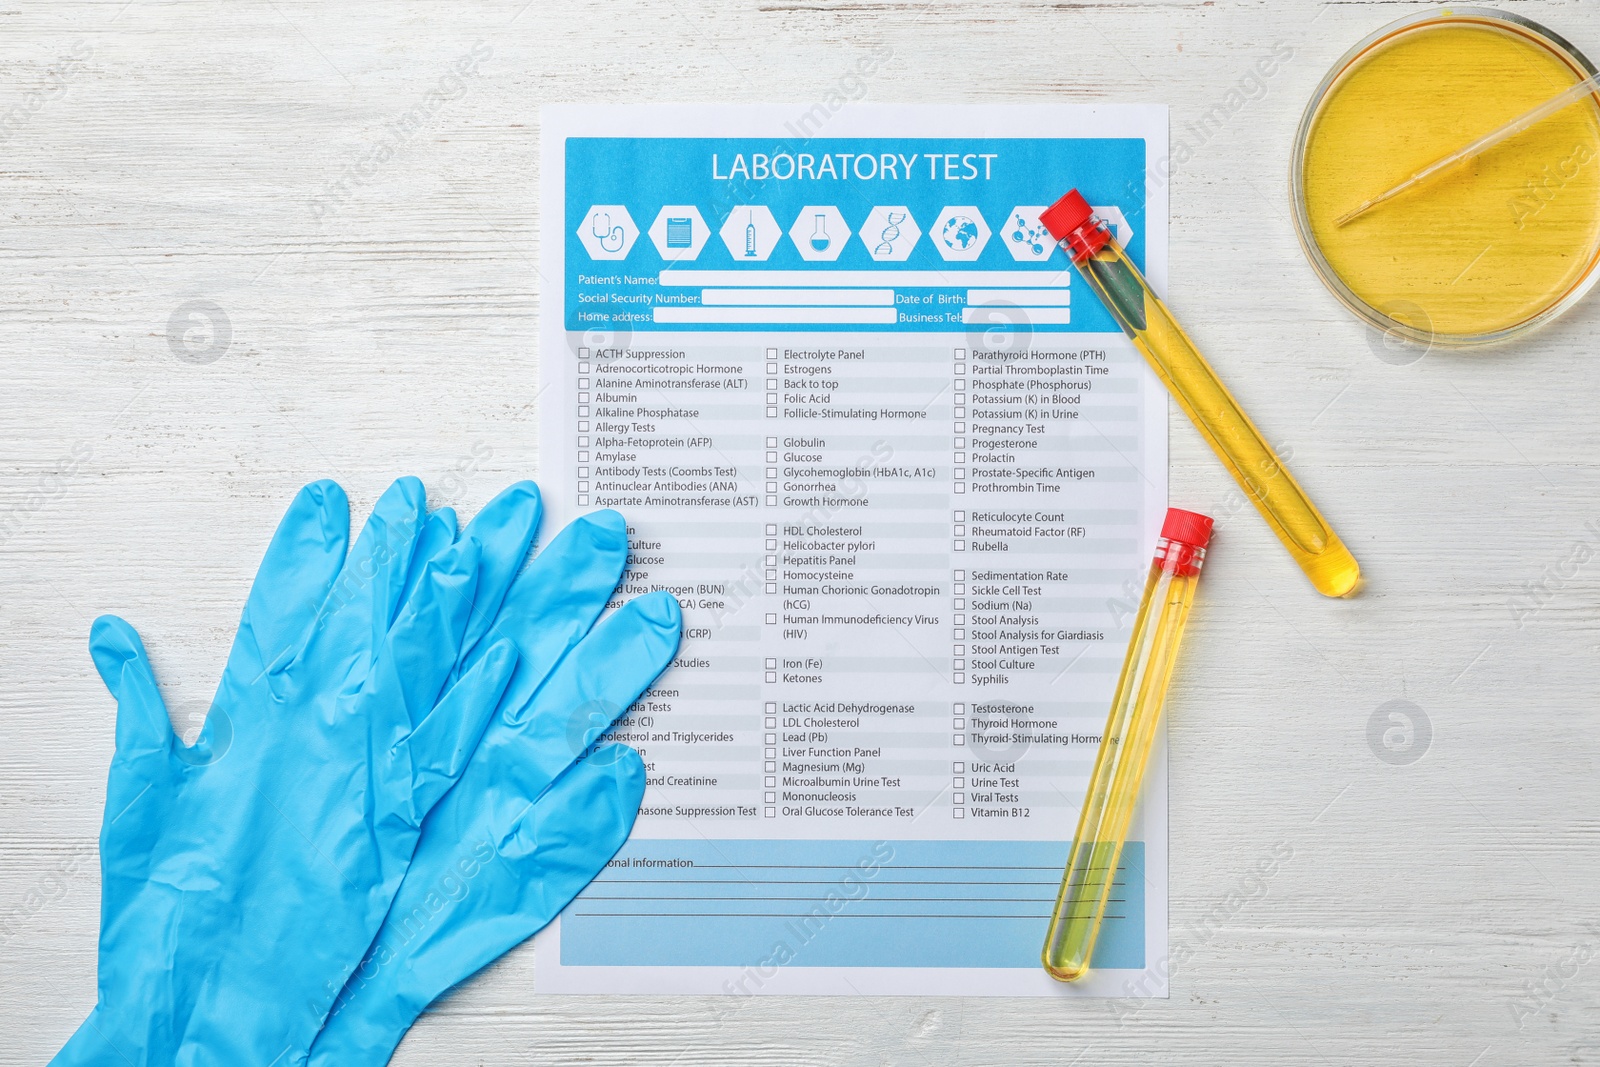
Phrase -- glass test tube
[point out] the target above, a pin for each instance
(1203, 397)
(1091, 872)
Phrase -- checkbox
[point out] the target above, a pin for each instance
(583, 457)
(772, 707)
(583, 383)
(771, 765)
(772, 353)
(771, 663)
(959, 515)
(960, 740)
(961, 487)
(772, 383)
(772, 501)
(772, 676)
(583, 427)
(583, 442)
(770, 782)
(772, 739)
(961, 529)
(960, 813)
(772, 413)
(958, 767)
(958, 782)
(772, 368)
(772, 618)
(770, 797)
(960, 678)
(772, 529)
(772, 544)
(959, 708)
(772, 813)
(771, 752)
(772, 442)
(961, 650)
(961, 546)
(772, 561)
(772, 573)
(771, 723)
(961, 427)
(959, 724)
(583, 500)
(772, 457)
(960, 575)
(959, 798)
(583, 487)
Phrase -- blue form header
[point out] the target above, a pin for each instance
(875, 234)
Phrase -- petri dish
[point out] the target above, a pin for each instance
(1488, 251)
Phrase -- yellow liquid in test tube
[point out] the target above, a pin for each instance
(1203, 397)
(1125, 747)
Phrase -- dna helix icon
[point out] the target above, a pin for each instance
(889, 234)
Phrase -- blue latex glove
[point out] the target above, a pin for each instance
(532, 821)
(244, 877)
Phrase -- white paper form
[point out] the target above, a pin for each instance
(905, 477)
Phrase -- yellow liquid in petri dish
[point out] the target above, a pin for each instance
(1482, 249)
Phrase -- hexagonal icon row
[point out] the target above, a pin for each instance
(819, 233)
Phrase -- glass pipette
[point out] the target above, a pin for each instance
(1091, 872)
(1529, 118)
(1203, 397)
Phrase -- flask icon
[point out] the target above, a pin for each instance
(819, 236)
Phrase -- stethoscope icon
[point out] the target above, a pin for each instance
(611, 237)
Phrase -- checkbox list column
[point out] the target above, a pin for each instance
(583, 427)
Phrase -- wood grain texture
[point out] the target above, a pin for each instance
(1432, 913)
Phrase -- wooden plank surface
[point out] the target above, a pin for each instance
(164, 160)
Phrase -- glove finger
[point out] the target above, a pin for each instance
(365, 598)
(438, 534)
(575, 828)
(592, 687)
(300, 565)
(505, 528)
(422, 647)
(547, 858)
(143, 725)
(442, 744)
(555, 601)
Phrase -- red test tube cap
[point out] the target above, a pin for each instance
(1069, 219)
(1066, 215)
(1187, 527)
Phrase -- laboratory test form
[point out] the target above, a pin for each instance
(903, 473)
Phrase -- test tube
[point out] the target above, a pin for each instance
(1125, 746)
(1186, 374)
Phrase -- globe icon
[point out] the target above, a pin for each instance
(960, 233)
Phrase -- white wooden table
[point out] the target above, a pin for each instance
(154, 155)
